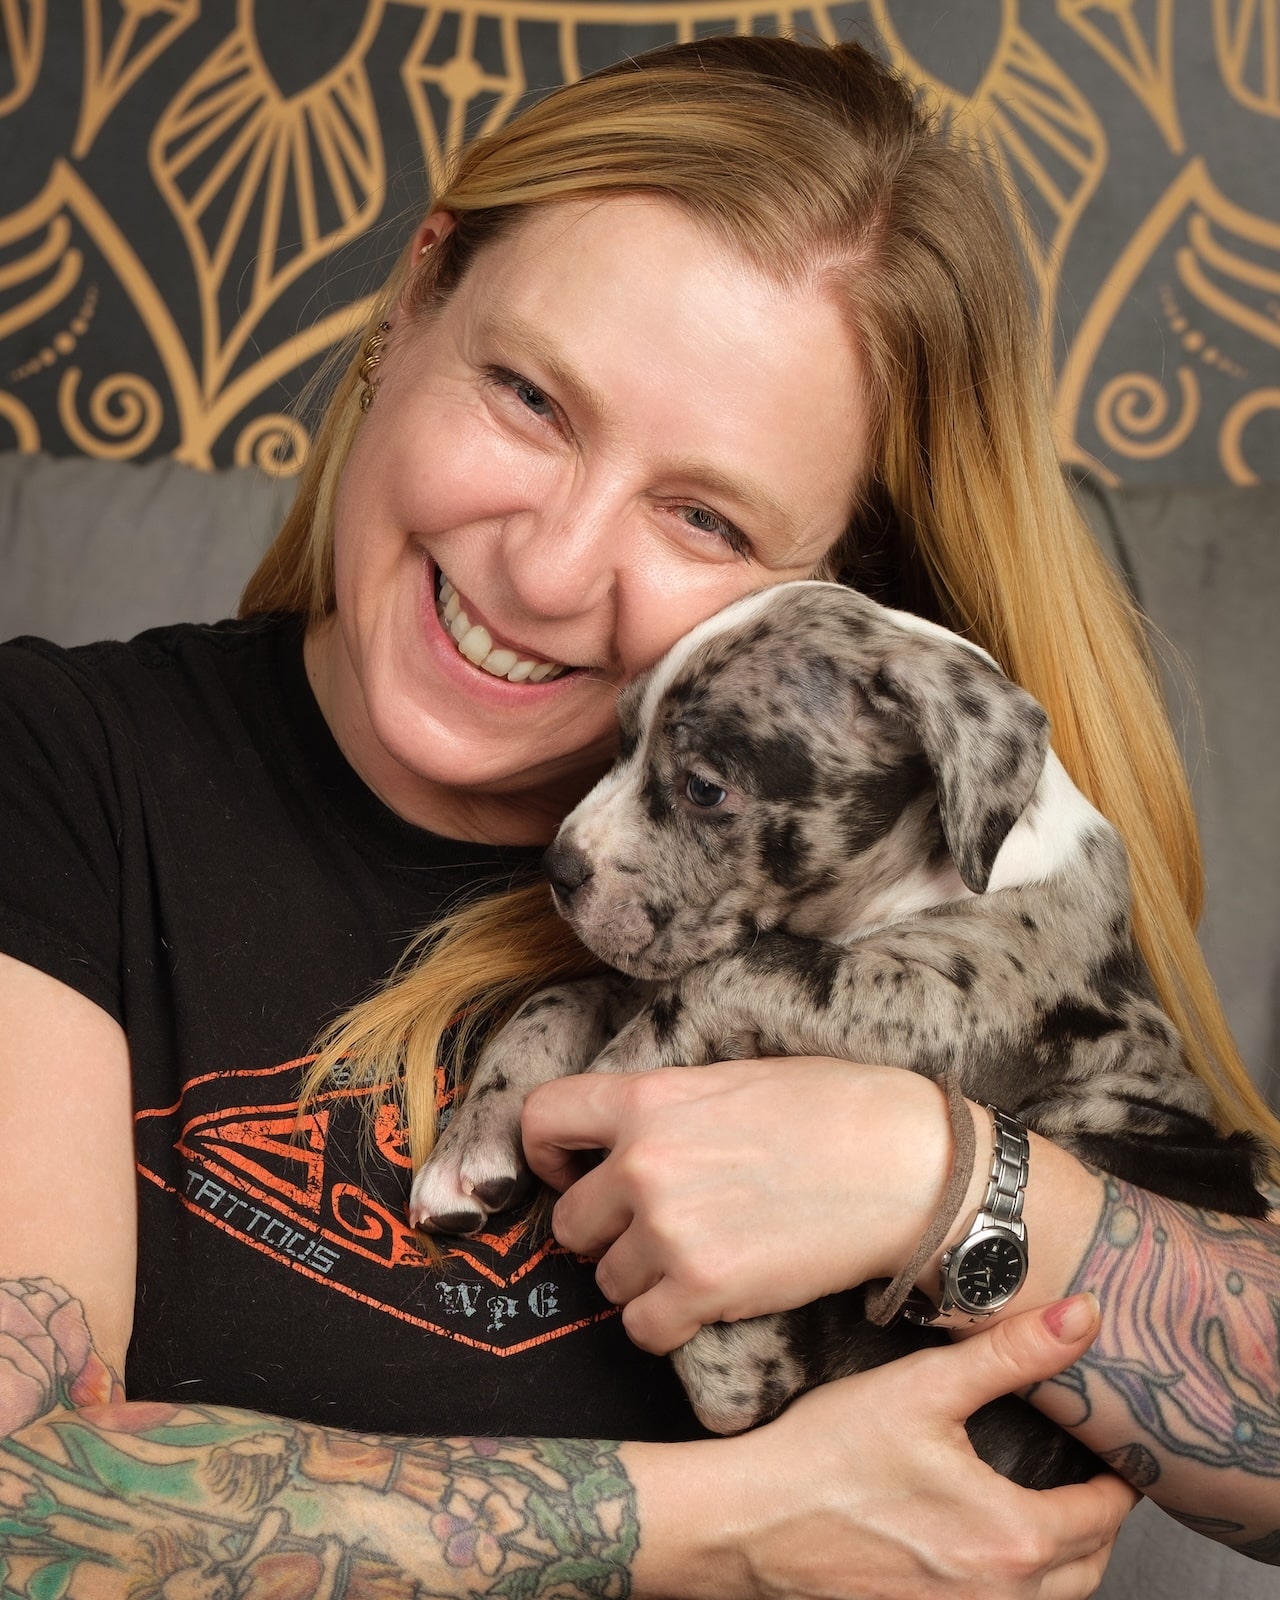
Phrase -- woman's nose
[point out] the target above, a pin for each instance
(563, 548)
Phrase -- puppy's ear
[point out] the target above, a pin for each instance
(984, 738)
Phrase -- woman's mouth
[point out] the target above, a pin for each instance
(476, 643)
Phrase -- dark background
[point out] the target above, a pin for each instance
(195, 197)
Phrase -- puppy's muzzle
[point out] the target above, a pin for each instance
(567, 869)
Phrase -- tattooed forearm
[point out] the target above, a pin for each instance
(150, 1501)
(1180, 1391)
(47, 1357)
(1189, 1343)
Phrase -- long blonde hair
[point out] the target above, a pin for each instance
(815, 163)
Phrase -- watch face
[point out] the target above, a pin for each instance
(991, 1268)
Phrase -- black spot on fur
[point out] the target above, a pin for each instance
(540, 1003)
(972, 706)
(773, 766)
(784, 851)
(962, 972)
(1072, 1018)
(657, 798)
(1029, 923)
(881, 799)
(811, 964)
(659, 913)
(665, 1013)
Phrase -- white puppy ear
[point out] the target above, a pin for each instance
(985, 740)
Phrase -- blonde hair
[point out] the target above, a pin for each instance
(815, 163)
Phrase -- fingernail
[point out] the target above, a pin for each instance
(1069, 1320)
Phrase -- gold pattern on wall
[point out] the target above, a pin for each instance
(1225, 262)
(1040, 136)
(122, 38)
(163, 299)
(239, 163)
(1144, 60)
(22, 31)
(1247, 35)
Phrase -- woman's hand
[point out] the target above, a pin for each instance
(730, 1191)
(868, 1488)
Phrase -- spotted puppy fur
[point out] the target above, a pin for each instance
(837, 829)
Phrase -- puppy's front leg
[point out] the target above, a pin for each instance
(477, 1166)
(738, 1374)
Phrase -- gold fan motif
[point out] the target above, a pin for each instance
(1217, 268)
(1247, 36)
(1142, 57)
(264, 186)
(122, 38)
(23, 24)
(1036, 132)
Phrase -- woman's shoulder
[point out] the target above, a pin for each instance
(37, 672)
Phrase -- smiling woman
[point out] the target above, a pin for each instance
(721, 316)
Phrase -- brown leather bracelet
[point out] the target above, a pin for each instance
(884, 1304)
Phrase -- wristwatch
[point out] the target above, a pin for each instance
(985, 1269)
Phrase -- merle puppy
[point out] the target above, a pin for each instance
(837, 829)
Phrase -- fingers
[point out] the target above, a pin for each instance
(1018, 1351)
(1083, 1519)
(566, 1116)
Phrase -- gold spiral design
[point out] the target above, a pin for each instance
(26, 431)
(124, 408)
(1231, 436)
(274, 443)
(1134, 405)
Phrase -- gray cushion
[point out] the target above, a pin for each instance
(102, 549)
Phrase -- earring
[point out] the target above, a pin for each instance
(372, 356)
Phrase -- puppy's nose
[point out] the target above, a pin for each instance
(567, 868)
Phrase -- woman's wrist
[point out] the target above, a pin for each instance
(690, 1500)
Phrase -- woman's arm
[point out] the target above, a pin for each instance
(102, 1497)
(754, 1187)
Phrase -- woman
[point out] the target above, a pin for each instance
(717, 318)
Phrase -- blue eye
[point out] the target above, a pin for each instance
(531, 396)
(704, 794)
(709, 522)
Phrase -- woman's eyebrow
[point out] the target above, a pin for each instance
(509, 331)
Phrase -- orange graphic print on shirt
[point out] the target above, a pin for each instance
(320, 1203)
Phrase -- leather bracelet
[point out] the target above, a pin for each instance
(883, 1305)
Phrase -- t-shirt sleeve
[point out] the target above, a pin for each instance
(60, 820)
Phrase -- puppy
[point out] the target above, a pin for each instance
(837, 829)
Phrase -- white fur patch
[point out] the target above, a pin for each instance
(1046, 838)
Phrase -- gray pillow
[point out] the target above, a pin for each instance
(102, 549)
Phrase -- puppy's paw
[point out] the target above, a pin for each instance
(738, 1374)
(475, 1169)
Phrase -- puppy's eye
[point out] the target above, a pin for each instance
(704, 794)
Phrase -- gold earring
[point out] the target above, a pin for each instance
(372, 356)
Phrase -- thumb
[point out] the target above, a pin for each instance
(1020, 1350)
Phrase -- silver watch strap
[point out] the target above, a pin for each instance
(1002, 1206)
(1010, 1161)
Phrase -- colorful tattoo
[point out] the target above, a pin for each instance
(1190, 1345)
(201, 1503)
(47, 1358)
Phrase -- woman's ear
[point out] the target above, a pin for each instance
(427, 238)
(431, 230)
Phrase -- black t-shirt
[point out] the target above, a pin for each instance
(182, 841)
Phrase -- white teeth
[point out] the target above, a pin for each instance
(476, 644)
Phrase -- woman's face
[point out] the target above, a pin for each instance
(612, 428)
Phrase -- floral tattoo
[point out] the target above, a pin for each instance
(207, 1503)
